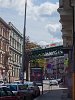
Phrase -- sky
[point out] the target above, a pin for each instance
(42, 19)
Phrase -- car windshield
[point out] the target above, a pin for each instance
(22, 87)
(13, 87)
(29, 84)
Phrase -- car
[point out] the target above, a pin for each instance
(1, 82)
(7, 94)
(60, 80)
(33, 87)
(53, 82)
(21, 90)
(17, 82)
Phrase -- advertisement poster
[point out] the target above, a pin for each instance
(36, 75)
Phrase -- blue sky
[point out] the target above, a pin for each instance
(42, 25)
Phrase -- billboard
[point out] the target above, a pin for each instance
(36, 75)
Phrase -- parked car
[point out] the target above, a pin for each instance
(33, 87)
(53, 82)
(1, 82)
(7, 94)
(17, 82)
(60, 80)
(21, 90)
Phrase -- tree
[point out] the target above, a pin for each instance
(29, 45)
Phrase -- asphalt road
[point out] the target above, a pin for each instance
(52, 92)
(47, 87)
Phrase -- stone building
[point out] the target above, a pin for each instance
(58, 66)
(66, 19)
(4, 48)
(16, 40)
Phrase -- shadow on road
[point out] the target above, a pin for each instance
(57, 94)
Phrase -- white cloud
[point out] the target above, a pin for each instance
(35, 14)
(53, 28)
(33, 11)
(47, 8)
(43, 43)
(54, 40)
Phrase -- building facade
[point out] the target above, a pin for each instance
(55, 67)
(66, 19)
(58, 66)
(4, 48)
(15, 48)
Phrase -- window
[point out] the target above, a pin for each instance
(12, 42)
(22, 87)
(15, 72)
(15, 58)
(0, 57)
(4, 46)
(12, 71)
(0, 30)
(61, 3)
(7, 47)
(0, 44)
(13, 87)
(15, 44)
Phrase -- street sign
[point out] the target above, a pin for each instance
(49, 66)
(49, 71)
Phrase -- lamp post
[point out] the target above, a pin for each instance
(23, 49)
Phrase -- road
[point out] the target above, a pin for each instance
(52, 92)
(47, 87)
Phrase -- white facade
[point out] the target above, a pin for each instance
(16, 40)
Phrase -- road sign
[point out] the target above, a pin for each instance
(49, 71)
(49, 66)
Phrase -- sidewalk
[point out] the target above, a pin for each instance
(54, 95)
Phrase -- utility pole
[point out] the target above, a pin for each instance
(24, 48)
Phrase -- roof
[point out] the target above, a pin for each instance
(15, 29)
(2, 86)
(4, 23)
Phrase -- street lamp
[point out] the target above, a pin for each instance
(23, 49)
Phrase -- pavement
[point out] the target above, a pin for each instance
(58, 94)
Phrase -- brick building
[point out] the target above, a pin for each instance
(4, 48)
